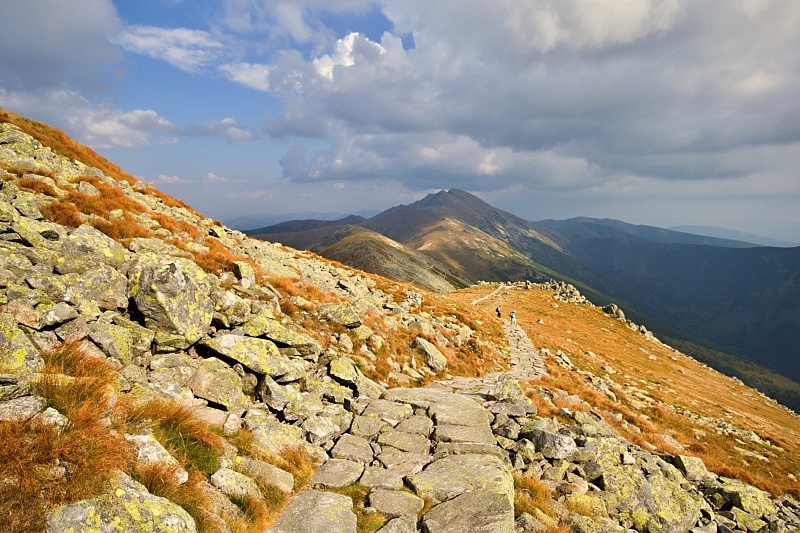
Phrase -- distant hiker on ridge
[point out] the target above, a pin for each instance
(513, 317)
(499, 314)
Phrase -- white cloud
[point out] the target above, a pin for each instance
(255, 76)
(213, 178)
(172, 180)
(100, 126)
(186, 49)
(227, 127)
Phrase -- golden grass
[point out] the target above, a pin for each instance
(37, 186)
(674, 382)
(47, 468)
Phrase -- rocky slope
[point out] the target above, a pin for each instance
(130, 324)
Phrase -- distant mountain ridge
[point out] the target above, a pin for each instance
(726, 233)
(735, 295)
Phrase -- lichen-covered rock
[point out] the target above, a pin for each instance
(172, 294)
(337, 473)
(22, 409)
(317, 510)
(340, 313)
(453, 475)
(265, 472)
(480, 511)
(265, 325)
(552, 445)
(217, 382)
(394, 503)
(655, 502)
(433, 357)
(747, 498)
(149, 451)
(235, 485)
(259, 355)
(17, 352)
(125, 507)
(85, 248)
(343, 370)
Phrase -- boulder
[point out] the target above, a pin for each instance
(259, 355)
(337, 473)
(265, 472)
(433, 357)
(87, 247)
(150, 452)
(126, 506)
(340, 313)
(551, 445)
(453, 475)
(172, 295)
(394, 503)
(217, 382)
(317, 510)
(479, 510)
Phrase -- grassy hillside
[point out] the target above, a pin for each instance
(661, 397)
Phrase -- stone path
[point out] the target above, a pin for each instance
(526, 365)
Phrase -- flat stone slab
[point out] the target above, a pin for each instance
(394, 503)
(454, 475)
(480, 510)
(416, 424)
(337, 473)
(354, 448)
(406, 442)
(377, 477)
(317, 510)
(404, 463)
(472, 434)
(388, 411)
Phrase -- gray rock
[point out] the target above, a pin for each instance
(172, 294)
(337, 473)
(467, 434)
(401, 524)
(479, 510)
(320, 429)
(353, 448)
(128, 506)
(394, 503)
(433, 357)
(456, 474)
(316, 510)
(377, 477)
(270, 474)
(22, 409)
(340, 313)
(87, 247)
(150, 452)
(259, 355)
(551, 445)
(217, 382)
(406, 442)
(235, 485)
(388, 411)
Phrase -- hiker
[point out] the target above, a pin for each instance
(513, 317)
(499, 314)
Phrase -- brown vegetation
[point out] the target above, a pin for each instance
(655, 387)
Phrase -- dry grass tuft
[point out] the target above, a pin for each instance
(190, 440)
(43, 467)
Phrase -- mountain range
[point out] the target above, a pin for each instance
(718, 294)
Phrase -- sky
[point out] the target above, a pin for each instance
(657, 112)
